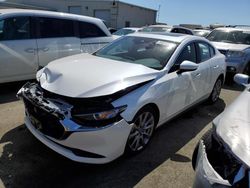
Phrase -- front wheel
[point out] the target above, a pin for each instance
(214, 96)
(142, 130)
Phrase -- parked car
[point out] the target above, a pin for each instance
(30, 39)
(93, 108)
(234, 43)
(167, 28)
(201, 32)
(125, 31)
(222, 157)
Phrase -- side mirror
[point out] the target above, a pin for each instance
(188, 66)
(242, 79)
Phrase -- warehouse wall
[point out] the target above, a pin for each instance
(137, 16)
(119, 12)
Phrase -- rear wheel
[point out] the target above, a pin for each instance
(142, 130)
(214, 96)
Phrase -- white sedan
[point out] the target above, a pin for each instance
(93, 108)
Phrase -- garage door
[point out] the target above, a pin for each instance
(104, 15)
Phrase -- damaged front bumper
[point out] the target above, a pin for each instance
(50, 121)
(205, 175)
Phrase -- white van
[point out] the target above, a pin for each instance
(30, 39)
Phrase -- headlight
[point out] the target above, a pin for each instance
(105, 115)
(235, 54)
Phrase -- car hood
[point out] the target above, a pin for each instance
(233, 126)
(86, 75)
(229, 46)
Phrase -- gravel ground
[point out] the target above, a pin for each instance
(25, 162)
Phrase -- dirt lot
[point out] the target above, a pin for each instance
(25, 162)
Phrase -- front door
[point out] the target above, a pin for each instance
(180, 86)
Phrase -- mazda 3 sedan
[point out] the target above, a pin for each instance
(92, 108)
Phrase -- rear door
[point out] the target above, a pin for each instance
(92, 37)
(57, 38)
(202, 76)
(18, 49)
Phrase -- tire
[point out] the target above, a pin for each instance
(142, 130)
(207, 140)
(215, 94)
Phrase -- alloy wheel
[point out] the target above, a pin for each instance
(142, 131)
(216, 90)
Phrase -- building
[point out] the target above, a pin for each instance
(116, 14)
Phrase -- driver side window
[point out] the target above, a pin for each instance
(188, 54)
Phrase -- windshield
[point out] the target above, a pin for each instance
(236, 37)
(122, 32)
(155, 29)
(153, 53)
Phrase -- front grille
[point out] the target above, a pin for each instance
(45, 122)
(224, 52)
(82, 105)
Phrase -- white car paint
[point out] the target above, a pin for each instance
(86, 76)
(20, 59)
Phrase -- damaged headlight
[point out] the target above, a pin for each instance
(224, 161)
(99, 119)
(105, 115)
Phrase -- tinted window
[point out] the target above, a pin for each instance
(204, 51)
(52, 28)
(90, 30)
(15, 28)
(153, 53)
(188, 53)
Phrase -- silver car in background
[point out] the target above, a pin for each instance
(234, 43)
(222, 157)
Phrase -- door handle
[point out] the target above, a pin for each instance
(216, 67)
(30, 50)
(198, 75)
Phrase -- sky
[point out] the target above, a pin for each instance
(205, 12)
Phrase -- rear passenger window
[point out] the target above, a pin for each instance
(90, 30)
(16, 28)
(53, 28)
(204, 51)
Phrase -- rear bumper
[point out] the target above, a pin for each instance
(205, 175)
(100, 146)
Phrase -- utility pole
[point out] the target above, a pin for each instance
(158, 17)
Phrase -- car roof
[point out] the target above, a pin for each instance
(232, 29)
(174, 37)
(47, 13)
(167, 26)
(132, 28)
